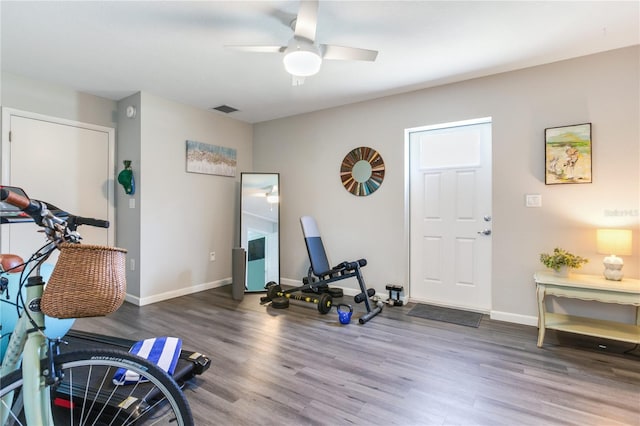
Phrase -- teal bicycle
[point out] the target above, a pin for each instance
(43, 384)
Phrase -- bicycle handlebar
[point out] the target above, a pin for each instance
(37, 210)
(78, 220)
(33, 208)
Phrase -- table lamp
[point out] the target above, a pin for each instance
(614, 243)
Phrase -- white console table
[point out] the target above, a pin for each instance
(587, 287)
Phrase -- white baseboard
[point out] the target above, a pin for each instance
(176, 293)
(290, 282)
(515, 318)
(348, 291)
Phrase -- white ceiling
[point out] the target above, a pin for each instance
(175, 49)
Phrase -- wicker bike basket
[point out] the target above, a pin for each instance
(87, 281)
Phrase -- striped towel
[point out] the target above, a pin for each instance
(162, 351)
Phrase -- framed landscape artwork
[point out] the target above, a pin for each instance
(568, 154)
(211, 159)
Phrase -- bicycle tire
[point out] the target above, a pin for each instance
(86, 394)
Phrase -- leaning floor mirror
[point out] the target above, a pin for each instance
(259, 228)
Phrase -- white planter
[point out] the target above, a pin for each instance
(563, 272)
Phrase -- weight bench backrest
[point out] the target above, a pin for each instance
(315, 248)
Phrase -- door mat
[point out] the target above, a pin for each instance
(454, 316)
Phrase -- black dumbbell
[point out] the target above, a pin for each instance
(359, 298)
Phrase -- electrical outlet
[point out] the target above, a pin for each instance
(212, 256)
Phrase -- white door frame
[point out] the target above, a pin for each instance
(407, 183)
(5, 162)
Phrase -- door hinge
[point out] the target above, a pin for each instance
(9, 135)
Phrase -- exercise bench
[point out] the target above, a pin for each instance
(320, 274)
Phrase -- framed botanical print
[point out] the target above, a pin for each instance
(568, 154)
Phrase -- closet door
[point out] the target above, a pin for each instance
(65, 163)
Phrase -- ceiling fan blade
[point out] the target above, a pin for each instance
(259, 49)
(307, 20)
(348, 53)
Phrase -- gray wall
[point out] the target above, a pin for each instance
(128, 219)
(179, 217)
(602, 89)
(57, 101)
(183, 216)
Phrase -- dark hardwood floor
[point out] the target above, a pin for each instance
(298, 367)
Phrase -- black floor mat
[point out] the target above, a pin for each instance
(438, 313)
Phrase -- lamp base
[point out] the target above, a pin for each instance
(613, 274)
(613, 268)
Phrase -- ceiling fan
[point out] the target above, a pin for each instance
(302, 55)
(269, 192)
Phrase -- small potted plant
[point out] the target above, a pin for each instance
(561, 261)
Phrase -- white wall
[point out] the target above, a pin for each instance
(602, 89)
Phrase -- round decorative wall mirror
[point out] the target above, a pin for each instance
(362, 171)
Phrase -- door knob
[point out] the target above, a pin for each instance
(485, 232)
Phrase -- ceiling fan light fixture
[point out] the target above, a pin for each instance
(272, 196)
(302, 59)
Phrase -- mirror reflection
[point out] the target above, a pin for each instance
(259, 228)
(361, 171)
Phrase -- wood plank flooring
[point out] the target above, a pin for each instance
(298, 367)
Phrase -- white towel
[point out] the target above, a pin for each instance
(162, 351)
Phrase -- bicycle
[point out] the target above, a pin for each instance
(55, 387)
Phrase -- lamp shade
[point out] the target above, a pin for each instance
(614, 241)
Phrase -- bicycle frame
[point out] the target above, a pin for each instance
(29, 341)
(43, 385)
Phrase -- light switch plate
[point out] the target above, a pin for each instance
(533, 200)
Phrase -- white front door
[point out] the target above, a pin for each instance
(64, 163)
(450, 214)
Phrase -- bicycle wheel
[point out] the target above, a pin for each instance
(86, 394)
